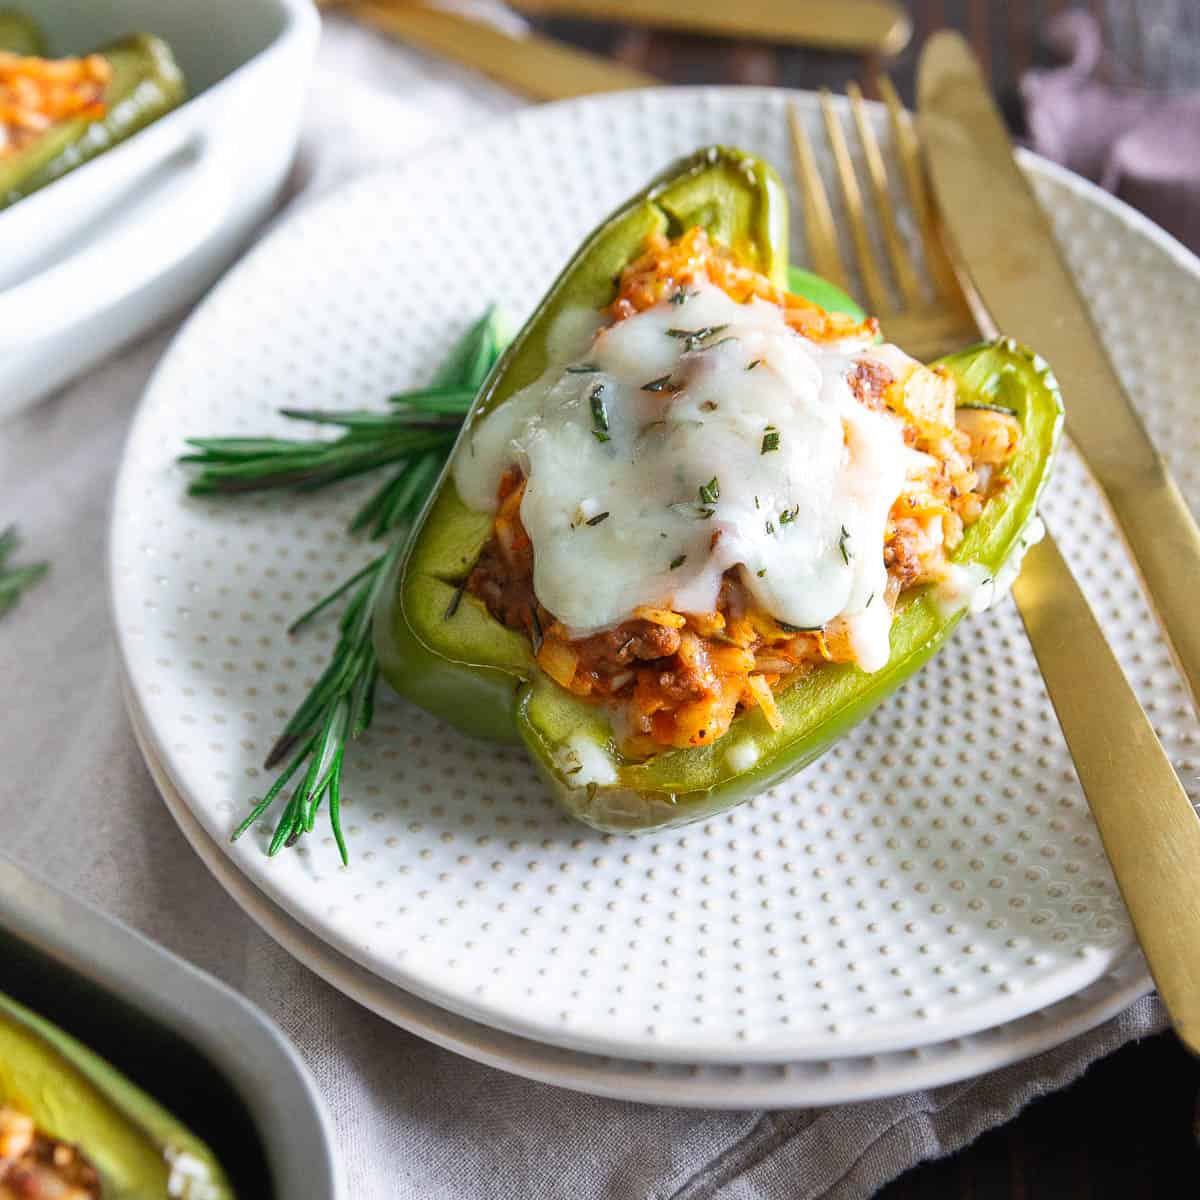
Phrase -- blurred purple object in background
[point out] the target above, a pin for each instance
(1093, 115)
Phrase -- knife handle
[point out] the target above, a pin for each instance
(1150, 831)
(862, 27)
(1000, 235)
(536, 66)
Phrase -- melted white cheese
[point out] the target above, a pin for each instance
(804, 523)
(741, 756)
(584, 762)
(972, 587)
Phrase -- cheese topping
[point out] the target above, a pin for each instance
(974, 588)
(690, 439)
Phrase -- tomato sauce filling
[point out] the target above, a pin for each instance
(678, 679)
(38, 93)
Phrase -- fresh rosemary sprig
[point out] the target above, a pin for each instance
(15, 580)
(414, 436)
(370, 440)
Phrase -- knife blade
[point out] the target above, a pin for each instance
(999, 234)
(1150, 831)
(866, 26)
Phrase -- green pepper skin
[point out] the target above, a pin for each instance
(20, 34)
(468, 670)
(146, 84)
(480, 676)
(74, 1095)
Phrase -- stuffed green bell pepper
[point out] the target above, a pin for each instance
(73, 1127)
(56, 114)
(696, 525)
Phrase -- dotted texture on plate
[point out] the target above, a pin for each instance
(799, 1084)
(935, 874)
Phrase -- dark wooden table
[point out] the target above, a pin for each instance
(1004, 34)
(1126, 1130)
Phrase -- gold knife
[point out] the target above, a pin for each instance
(1150, 831)
(537, 66)
(998, 231)
(859, 26)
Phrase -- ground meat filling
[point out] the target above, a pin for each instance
(34, 1166)
(674, 679)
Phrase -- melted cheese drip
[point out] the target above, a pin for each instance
(803, 523)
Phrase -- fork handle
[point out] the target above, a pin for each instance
(1150, 831)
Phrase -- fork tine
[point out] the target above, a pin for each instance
(818, 218)
(877, 296)
(903, 266)
(904, 138)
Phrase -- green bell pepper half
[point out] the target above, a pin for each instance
(146, 84)
(21, 34)
(73, 1095)
(441, 648)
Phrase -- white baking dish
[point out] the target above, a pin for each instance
(91, 261)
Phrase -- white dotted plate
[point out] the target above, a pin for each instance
(801, 1084)
(936, 874)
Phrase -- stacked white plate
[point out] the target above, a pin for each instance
(929, 901)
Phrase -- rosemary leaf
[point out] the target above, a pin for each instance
(414, 439)
(336, 594)
(364, 705)
(375, 509)
(373, 422)
(14, 581)
(238, 449)
(397, 498)
(309, 465)
(661, 384)
(453, 401)
(335, 816)
(326, 760)
(261, 806)
(403, 506)
(472, 358)
(482, 349)
(455, 601)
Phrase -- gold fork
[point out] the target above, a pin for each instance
(1150, 832)
(926, 317)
